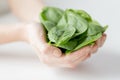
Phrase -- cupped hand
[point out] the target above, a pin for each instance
(52, 56)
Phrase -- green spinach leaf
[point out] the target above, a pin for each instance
(70, 29)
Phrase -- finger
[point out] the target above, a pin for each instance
(74, 64)
(48, 55)
(94, 48)
(88, 56)
(53, 51)
(103, 39)
(81, 59)
(57, 53)
(76, 55)
(67, 61)
(99, 41)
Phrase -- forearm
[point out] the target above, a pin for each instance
(11, 33)
(26, 10)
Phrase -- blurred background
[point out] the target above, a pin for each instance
(3, 6)
(19, 62)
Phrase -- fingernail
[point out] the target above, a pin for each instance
(56, 53)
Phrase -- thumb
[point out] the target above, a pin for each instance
(57, 53)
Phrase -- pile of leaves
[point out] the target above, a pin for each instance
(70, 29)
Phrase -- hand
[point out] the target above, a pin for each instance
(53, 56)
(99, 43)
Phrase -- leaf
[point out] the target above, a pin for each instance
(70, 45)
(54, 34)
(66, 36)
(61, 36)
(49, 25)
(50, 16)
(94, 28)
(71, 29)
(88, 40)
(105, 28)
(84, 14)
(77, 21)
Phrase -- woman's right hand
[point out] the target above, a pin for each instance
(52, 56)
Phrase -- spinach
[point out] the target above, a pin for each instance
(50, 16)
(70, 29)
(84, 14)
(88, 40)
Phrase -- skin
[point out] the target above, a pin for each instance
(34, 34)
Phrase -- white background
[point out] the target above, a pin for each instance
(19, 62)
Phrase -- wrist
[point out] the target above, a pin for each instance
(11, 33)
(19, 32)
